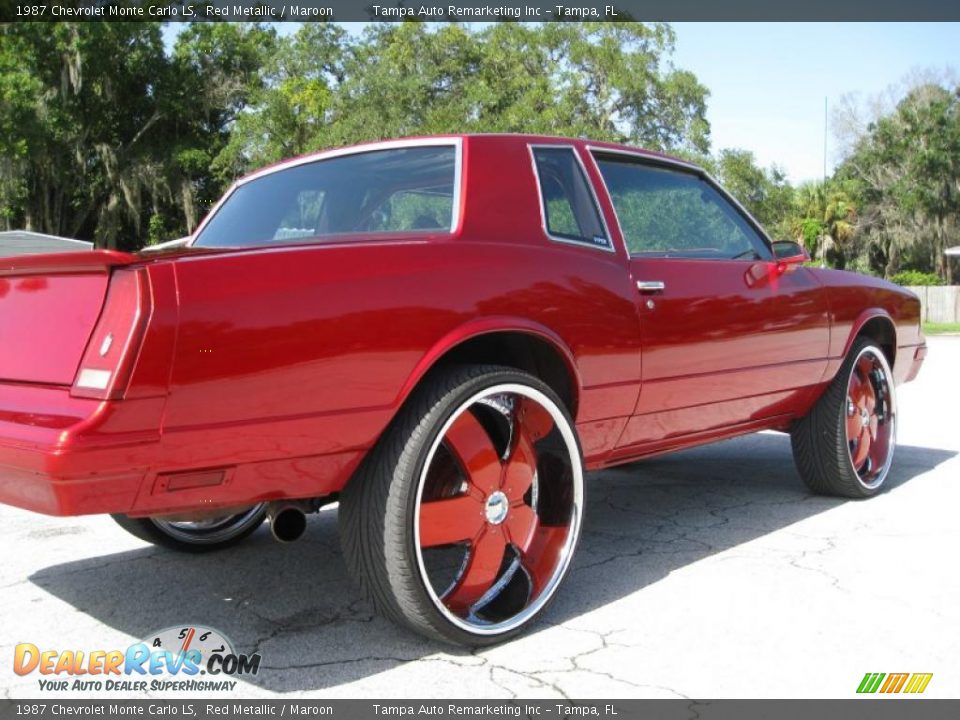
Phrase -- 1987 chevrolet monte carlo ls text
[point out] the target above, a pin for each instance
(442, 333)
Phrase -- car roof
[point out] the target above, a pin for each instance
(425, 139)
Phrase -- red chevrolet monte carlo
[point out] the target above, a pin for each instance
(442, 333)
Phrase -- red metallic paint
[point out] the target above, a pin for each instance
(281, 366)
(28, 303)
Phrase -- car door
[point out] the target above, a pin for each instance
(729, 336)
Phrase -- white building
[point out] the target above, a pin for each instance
(25, 242)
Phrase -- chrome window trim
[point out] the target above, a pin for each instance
(608, 247)
(455, 142)
(654, 160)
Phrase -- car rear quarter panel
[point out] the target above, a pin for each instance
(307, 351)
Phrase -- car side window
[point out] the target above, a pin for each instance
(410, 210)
(301, 218)
(569, 209)
(673, 213)
(393, 190)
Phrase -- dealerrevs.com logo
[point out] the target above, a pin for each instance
(179, 658)
(894, 683)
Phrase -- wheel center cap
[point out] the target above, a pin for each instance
(864, 418)
(496, 508)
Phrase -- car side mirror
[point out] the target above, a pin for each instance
(789, 252)
(788, 256)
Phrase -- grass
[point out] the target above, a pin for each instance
(940, 328)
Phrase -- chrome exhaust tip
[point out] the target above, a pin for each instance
(287, 522)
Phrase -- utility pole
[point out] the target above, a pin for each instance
(823, 188)
(824, 144)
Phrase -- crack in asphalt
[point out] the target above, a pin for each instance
(396, 660)
(295, 623)
(530, 676)
(606, 644)
(830, 545)
(14, 584)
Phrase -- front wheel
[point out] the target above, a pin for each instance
(844, 446)
(463, 520)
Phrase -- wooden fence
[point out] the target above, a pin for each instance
(940, 304)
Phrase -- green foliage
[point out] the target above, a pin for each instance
(102, 132)
(941, 328)
(915, 277)
(561, 219)
(662, 211)
(156, 230)
(765, 193)
(904, 174)
(104, 135)
(602, 80)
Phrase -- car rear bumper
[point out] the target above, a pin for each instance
(61, 455)
(56, 496)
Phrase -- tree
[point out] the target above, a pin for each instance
(765, 193)
(76, 157)
(905, 169)
(214, 75)
(106, 136)
(103, 132)
(289, 107)
(605, 81)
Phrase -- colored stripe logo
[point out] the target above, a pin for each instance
(894, 682)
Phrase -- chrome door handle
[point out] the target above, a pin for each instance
(651, 286)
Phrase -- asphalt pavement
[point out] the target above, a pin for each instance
(710, 573)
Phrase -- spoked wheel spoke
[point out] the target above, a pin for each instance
(521, 524)
(546, 547)
(533, 419)
(444, 522)
(520, 469)
(861, 449)
(483, 565)
(869, 421)
(853, 419)
(490, 511)
(471, 444)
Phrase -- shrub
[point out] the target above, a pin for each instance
(915, 277)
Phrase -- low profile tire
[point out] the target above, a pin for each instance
(197, 536)
(462, 521)
(845, 444)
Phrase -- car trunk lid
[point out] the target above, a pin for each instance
(49, 305)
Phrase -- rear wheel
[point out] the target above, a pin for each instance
(195, 536)
(845, 444)
(463, 521)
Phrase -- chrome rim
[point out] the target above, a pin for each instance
(498, 509)
(212, 530)
(871, 417)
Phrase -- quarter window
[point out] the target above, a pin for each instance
(301, 217)
(570, 212)
(670, 213)
(401, 190)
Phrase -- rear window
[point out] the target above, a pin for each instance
(380, 191)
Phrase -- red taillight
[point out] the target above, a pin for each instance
(112, 350)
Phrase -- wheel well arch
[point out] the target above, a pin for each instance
(531, 350)
(880, 328)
